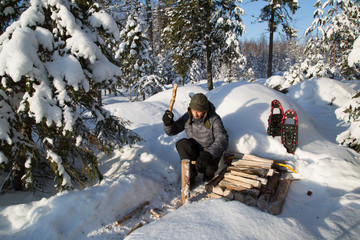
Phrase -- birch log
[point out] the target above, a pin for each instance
(185, 180)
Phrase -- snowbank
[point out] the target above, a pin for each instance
(150, 171)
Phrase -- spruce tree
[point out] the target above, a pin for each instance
(134, 55)
(53, 61)
(203, 31)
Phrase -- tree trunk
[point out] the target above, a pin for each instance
(209, 77)
(271, 42)
(150, 30)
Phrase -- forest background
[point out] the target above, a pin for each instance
(58, 58)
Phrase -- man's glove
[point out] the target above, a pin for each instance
(168, 118)
(202, 161)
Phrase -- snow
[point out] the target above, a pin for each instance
(150, 171)
(354, 56)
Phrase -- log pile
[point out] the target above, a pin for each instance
(255, 181)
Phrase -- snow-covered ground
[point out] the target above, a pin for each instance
(150, 171)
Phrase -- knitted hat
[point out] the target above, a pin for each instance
(199, 102)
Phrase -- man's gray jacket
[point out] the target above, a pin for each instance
(208, 131)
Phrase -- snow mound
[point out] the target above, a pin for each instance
(320, 91)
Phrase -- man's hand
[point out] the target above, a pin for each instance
(202, 161)
(168, 118)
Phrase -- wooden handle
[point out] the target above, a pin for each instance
(173, 98)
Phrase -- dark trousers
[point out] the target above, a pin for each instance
(190, 149)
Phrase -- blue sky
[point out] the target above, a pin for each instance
(301, 20)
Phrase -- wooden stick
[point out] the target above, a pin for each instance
(130, 215)
(185, 180)
(155, 214)
(173, 98)
(138, 225)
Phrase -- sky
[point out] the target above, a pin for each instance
(301, 20)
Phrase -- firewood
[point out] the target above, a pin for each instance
(215, 181)
(130, 215)
(185, 180)
(263, 201)
(278, 199)
(251, 176)
(240, 185)
(270, 172)
(256, 171)
(272, 184)
(231, 185)
(251, 199)
(224, 193)
(218, 190)
(217, 196)
(254, 164)
(173, 98)
(238, 196)
(251, 182)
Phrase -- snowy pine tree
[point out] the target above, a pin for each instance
(335, 27)
(52, 64)
(350, 112)
(134, 56)
(205, 31)
(10, 10)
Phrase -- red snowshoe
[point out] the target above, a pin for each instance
(274, 121)
(289, 131)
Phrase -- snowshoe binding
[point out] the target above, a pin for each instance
(274, 121)
(289, 131)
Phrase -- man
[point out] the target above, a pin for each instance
(207, 138)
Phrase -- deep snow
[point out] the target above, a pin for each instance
(150, 171)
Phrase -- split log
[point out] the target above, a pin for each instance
(231, 185)
(215, 181)
(251, 176)
(249, 157)
(256, 171)
(251, 182)
(218, 191)
(173, 98)
(253, 164)
(239, 185)
(217, 196)
(130, 215)
(270, 172)
(278, 199)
